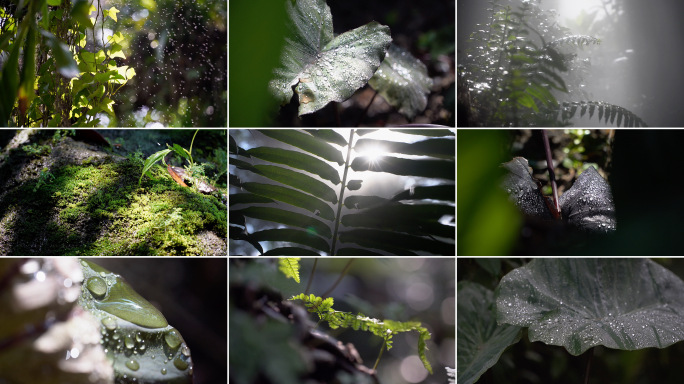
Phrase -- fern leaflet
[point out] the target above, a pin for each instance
(382, 328)
(290, 267)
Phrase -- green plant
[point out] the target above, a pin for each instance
(398, 224)
(325, 68)
(578, 304)
(45, 177)
(70, 85)
(519, 64)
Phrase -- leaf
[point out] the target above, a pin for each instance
(305, 142)
(248, 198)
(580, 303)
(290, 267)
(80, 12)
(322, 67)
(588, 204)
(409, 167)
(112, 13)
(403, 81)
(360, 202)
(292, 197)
(442, 148)
(9, 83)
(297, 160)
(436, 192)
(297, 180)
(175, 176)
(479, 341)
(354, 185)
(153, 159)
(523, 190)
(66, 65)
(394, 242)
(290, 251)
(293, 236)
(328, 135)
(312, 225)
(134, 332)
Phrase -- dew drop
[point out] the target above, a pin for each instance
(97, 287)
(132, 365)
(130, 343)
(180, 363)
(163, 371)
(173, 339)
(109, 323)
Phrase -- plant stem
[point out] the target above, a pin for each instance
(586, 371)
(308, 284)
(339, 202)
(358, 123)
(191, 143)
(337, 282)
(382, 349)
(552, 175)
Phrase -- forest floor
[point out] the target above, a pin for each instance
(65, 197)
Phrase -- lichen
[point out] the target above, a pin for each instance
(91, 205)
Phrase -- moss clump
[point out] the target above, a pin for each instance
(96, 208)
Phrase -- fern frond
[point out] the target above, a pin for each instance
(381, 328)
(607, 112)
(577, 40)
(290, 267)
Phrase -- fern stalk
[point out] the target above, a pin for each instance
(380, 354)
(339, 203)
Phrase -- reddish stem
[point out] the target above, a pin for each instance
(552, 175)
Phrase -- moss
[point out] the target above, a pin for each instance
(96, 208)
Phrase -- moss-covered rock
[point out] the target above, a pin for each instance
(78, 199)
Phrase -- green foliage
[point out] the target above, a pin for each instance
(324, 68)
(134, 332)
(517, 68)
(398, 225)
(59, 82)
(290, 267)
(385, 329)
(45, 177)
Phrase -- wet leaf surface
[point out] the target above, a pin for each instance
(578, 303)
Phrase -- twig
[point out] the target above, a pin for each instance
(337, 282)
(308, 284)
(586, 371)
(552, 174)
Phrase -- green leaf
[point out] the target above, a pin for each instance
(394, 242)
(624, 304)
(305, 142)
(9, 83)
(292, 197)
(441, 148)
(134, 332)
(312, 225)
(322, 67)
(328, 135)
(361, 202)
(290, 267)
(356, 252)
(354, 185)
(297, 180)
(436, 192)
(112, 13)
(66, 65)
(425, 132)
(292, 236)
(290, 251)
(153, 159)
(479, 340)
(80, 12)
(248, 198)
(403, 81)
(408, 167)
(297, 160)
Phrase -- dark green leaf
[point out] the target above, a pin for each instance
(66, 65)
(243, 165)
(354, 185)
(297, 160)
(305, 142)
(292, 236)
(436, 192)
(361, 202)
(323, 67)
(247, 198)
(328, 135)
(443, 148)
(580, 303)
(402, 80)
(290, 251)
(356, 252)
(315, 226)
(441, 169)
(425, 132)
(480, 341)
(298, 180)
(397, 243)
(292, 197)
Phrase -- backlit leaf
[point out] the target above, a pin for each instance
(315, 226)
(305, 142)
(297, 160)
